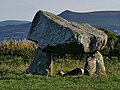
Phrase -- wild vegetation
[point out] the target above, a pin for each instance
(16, 56)
(112, 48)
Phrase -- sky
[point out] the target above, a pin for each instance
(26, 9)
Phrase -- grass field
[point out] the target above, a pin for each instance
(30, 82)
(13, 79)
(12, 76)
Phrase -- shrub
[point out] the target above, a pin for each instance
(17, 52)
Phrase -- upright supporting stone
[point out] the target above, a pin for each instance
(41, 63)
(94, 65)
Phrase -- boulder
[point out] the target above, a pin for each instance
(94, 65)
(41, 63)
(58, 35)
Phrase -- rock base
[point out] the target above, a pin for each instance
(41, 63)
(94, 65)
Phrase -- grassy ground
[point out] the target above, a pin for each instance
(15, 58)
(30, 82)
(13, 79)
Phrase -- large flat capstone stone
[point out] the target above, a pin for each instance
(56, 34)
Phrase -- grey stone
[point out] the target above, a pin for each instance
(56, 34)
(94, 65)
(41, 63)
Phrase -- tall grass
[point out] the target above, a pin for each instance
(13, 54)
(14, 47)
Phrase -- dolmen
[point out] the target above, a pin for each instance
(54, 34)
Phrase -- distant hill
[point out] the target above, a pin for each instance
(12, 22)
(106, 19)
(14, 32)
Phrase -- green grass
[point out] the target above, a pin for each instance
(35, 82)
(14, 79)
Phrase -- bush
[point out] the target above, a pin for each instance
(112, 49)
(17, 52)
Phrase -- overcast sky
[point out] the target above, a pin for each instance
(26, 9)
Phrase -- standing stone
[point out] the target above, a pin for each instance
(41, 63)
(94, 65)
